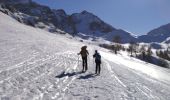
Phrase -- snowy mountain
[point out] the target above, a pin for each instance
(92, 26)
(88, 23)
(157, 35)
(38, 65)
(36, 15)
(84, 24)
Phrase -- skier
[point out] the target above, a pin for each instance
(84, 53)
(97, 57)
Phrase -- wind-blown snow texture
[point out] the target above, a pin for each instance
(37, 65)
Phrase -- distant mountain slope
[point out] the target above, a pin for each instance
(157, 35)
(36, 15)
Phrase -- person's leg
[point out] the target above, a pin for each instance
(86, 64)
(96, 68)
(99, 68)
(83, 64)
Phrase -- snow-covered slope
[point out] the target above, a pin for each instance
(37, 65)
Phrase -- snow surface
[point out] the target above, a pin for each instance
(37, 65)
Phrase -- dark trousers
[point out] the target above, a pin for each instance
(84, 63)
(98, 67)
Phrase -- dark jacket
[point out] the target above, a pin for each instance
(97, 58)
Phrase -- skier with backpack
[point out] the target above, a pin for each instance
(84, 53)
(97, 57)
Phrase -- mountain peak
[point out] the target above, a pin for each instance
(85, 12)
(60, 12)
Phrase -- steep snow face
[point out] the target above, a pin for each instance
(88, 23)
(157, 35)
(38, 65)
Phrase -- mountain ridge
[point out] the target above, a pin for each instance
(40, 16)
(159, 34)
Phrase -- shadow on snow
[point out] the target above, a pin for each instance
(87, 76)
(64, 74)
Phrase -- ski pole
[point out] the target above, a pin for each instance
(93, 61)
(88, 59)
(78, 60)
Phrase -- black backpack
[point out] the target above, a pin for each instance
(98, 57)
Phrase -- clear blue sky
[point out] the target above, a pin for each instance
(136, 16)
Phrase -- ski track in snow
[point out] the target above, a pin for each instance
(19, 78)
(147, 92)
(34, 79)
